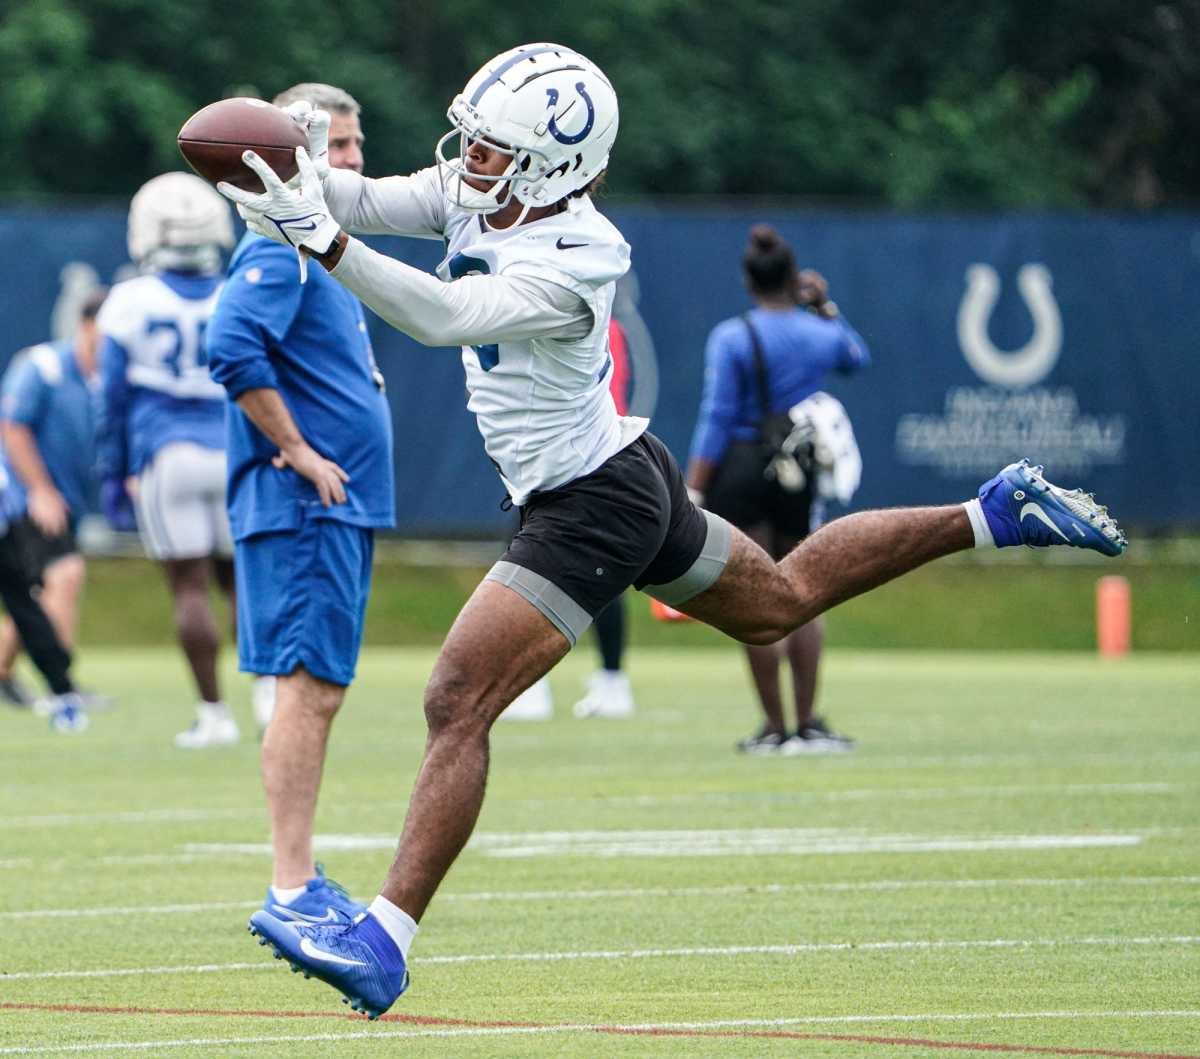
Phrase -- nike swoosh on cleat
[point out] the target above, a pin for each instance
(284, 912)
(1038, 513)
(312, 952)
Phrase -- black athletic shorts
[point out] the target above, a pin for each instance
(38, 551)
(629, 522)
(741, 494)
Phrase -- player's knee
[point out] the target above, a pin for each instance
(66, 575)
(764, 636)
(451, 703)
(776, 618)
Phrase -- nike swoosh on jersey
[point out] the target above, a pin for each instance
(567, 246)
(310, 950)
(284, 912)
(1038, 513)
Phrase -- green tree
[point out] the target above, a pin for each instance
(931, 103)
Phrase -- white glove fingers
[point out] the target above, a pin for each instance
(299, 110)
(237, 195)
(268, 175)
(308, 171)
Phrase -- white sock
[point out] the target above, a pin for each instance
(979, 525)
(401, 927)
(218, 709)
(285, 895)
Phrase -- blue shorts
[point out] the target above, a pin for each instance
(301, 599)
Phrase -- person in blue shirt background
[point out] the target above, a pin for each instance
(802, 339)
(162, 426)
(67, 706)
(48, 424)
(310, 480)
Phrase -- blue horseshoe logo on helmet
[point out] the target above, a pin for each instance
(561, 137)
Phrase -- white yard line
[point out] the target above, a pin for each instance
(743, 890)
(714, 1025)
(866, 794)
(640, 954)
(197, 815)
(701, 843)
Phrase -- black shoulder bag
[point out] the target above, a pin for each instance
(785, 447)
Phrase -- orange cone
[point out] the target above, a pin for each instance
(665, 613)
(1114, 616)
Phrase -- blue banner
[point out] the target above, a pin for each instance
(1072, 339)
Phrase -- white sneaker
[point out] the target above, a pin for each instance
(262, 701)
(533, 704)
(213, 726)
(69, 715)
(608, 695)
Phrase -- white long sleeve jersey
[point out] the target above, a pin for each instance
(529, 305)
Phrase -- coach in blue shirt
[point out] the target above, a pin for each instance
(48, 408)
(310, 480)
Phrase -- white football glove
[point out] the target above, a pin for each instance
(295, 216)
(317, 123)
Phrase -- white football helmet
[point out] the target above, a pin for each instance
(177, 221)
(549, 108)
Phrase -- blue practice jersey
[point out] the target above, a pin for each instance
(154, 370)
(45, 391)
(308, 341)
(799, 348)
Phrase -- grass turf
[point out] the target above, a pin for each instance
(870, 900)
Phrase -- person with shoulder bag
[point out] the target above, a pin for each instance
(756, 457)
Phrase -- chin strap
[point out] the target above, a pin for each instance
(520, 218)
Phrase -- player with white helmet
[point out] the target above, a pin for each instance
(526, 287)
(162, 435)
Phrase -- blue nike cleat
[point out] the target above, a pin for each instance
(358, 959)
(323, 903)
(1021, 507)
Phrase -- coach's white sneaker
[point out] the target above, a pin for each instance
(213, 726)
(262, 701)
(534, 704)
(608, 695)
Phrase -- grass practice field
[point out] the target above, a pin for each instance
(1009, 863)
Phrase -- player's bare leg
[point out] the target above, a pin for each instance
(803, 651)
(764, 661)
(227, 584)
(62, 584)
(194, 622)
(498, 646)
(293, 757)
(759, 602)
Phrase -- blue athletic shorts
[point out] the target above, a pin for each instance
(301, 599)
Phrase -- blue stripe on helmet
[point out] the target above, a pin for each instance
(505, 67)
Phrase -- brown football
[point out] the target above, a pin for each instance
(213, 139)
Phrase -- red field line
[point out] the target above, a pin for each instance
(633, 1031)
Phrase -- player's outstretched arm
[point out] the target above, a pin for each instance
(470, 311)
(395, 205)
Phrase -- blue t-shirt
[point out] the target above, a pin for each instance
(799, 348)
(45, 391)
(154, 370)
(308, 341)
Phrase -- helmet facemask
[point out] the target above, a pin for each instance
(517, 181)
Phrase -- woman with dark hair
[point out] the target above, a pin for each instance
(757, 366)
